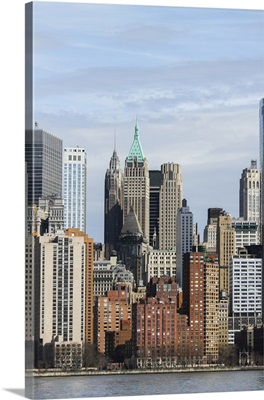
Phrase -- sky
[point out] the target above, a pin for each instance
(193, 77)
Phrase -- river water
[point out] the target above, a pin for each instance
(146, 384)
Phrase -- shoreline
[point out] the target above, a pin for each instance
(55, 373)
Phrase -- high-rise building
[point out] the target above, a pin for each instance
(154, 332)
(225, 248)
(89, 280)
(245, 285)
(136, 184)
(184, 237)
(223, 322)
(110, 311)
(213, 214)
(29, 291)
(246, 233)
(155, 178)
(74, 188)
(193, 287)
(245, 292)
(113, 206)
(249, 194)
(210, 230)
(211, 308)
(170, 202)
(43, 155)
(63, 296)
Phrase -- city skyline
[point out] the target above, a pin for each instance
(13, 121)
(186, 74)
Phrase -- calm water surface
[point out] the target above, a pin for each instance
(147, 384)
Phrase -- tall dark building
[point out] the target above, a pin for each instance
(113, 207)
(43, 156)
(213, 214)
(155, 178)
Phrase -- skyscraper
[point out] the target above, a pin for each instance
(170, 202)
(211, 308)
(249, 193)
(184, 237)
(210, 230)
(74, 188)
(193, 300)
(113, 207)
(155, 178)
(245, 291)
(225, 248)
(63, 288)
(43, 156)
(136, 184)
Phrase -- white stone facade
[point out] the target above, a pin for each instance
(160, 263)
(249, 193)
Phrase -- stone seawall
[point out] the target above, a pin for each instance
(57, 373)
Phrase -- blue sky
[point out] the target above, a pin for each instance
(192, 76)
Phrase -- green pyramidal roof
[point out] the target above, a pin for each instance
(136, 150)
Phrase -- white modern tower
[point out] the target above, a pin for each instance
(74, 188)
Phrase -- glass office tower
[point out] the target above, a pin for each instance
(43, 156)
